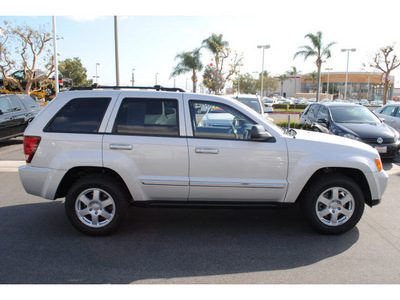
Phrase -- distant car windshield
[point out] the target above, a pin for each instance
(252, 103)
(353, 114)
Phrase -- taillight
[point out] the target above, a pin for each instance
(31, 144)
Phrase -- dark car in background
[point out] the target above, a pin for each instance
(352, 121)
(16, 112)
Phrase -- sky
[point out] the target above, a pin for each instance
(151, 34)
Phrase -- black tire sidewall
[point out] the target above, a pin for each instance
(308, 203)
(112, 187)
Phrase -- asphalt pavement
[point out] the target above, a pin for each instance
(191, 246)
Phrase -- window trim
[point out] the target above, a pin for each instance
(217, 103)
(114, 130)
(46, 128)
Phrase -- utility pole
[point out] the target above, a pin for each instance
(116, 49)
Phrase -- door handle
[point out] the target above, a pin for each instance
(121, 147)
(207, 150)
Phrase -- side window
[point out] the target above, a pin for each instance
(313, 111)
(16, 104)
(218, 121)
(28, 101)
(397, 112)
(81, 115)
(147, 117)
(322, 113)
(5, 106)
(388, 110)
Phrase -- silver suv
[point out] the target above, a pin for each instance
(104, 149)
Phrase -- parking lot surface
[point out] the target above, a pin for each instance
(182, 246)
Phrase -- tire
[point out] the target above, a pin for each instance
(97, 205)
(333, 205)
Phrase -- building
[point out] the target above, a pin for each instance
(360, 85)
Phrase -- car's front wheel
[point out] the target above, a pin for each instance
(333, 204)
(97, 205)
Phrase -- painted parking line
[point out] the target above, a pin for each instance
(11, 165)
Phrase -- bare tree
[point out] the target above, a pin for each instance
(25, 48)
(385, 61)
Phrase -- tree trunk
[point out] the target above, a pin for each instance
(318, 82)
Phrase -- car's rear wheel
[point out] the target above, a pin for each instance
(333, 204)
(97, 205)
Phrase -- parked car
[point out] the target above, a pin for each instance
(16, 112)
(352, 121)
(107, 148)
(255, 103)
(269, 101)
(391, 114)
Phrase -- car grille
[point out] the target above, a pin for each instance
(373, 141)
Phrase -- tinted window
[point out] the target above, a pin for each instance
(397, 113)
(323, 113)
(215, 120)
(353, 114)
(16, 103)
(28, 101)
(148, 117)
(82, 115)
(5, 106)
(388, 110)
(312, 112)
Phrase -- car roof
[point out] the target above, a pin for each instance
(332, 104)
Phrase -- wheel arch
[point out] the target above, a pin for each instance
(355, 174)
(79, 172)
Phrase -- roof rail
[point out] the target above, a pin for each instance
(96, 86)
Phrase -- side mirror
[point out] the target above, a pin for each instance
(258, 133)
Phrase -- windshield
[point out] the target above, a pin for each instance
(353, 114)
(252, 103)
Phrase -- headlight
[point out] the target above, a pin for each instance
(396, 136)
(351, 136)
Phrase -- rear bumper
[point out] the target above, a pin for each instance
(40, 181)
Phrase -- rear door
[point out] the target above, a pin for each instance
(146, 145)
(6, 120)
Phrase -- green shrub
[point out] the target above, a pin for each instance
(291, 106)
(284, 124)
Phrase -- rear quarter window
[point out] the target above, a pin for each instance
(81, 115)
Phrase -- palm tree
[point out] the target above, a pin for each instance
(189, 62)
(312, 77)
(294, 72)
(282, 78)
(317, 50)
(216, 45)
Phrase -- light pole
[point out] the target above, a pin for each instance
(327, 86)
(97, 64)
(133, 77)
(262, 67)
(156, 78)
(347, 70)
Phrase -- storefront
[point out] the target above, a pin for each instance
(360, 85)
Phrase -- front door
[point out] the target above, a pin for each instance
(225, 164)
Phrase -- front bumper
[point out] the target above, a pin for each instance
(387, 150)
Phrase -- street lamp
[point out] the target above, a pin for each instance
(262, 68)
(97, 64)
(156, 78)
(133, 77)
(347, 70)
(327, 86)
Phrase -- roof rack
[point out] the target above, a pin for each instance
(96, 86)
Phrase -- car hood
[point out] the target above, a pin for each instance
(366, 131)
(327, 143)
